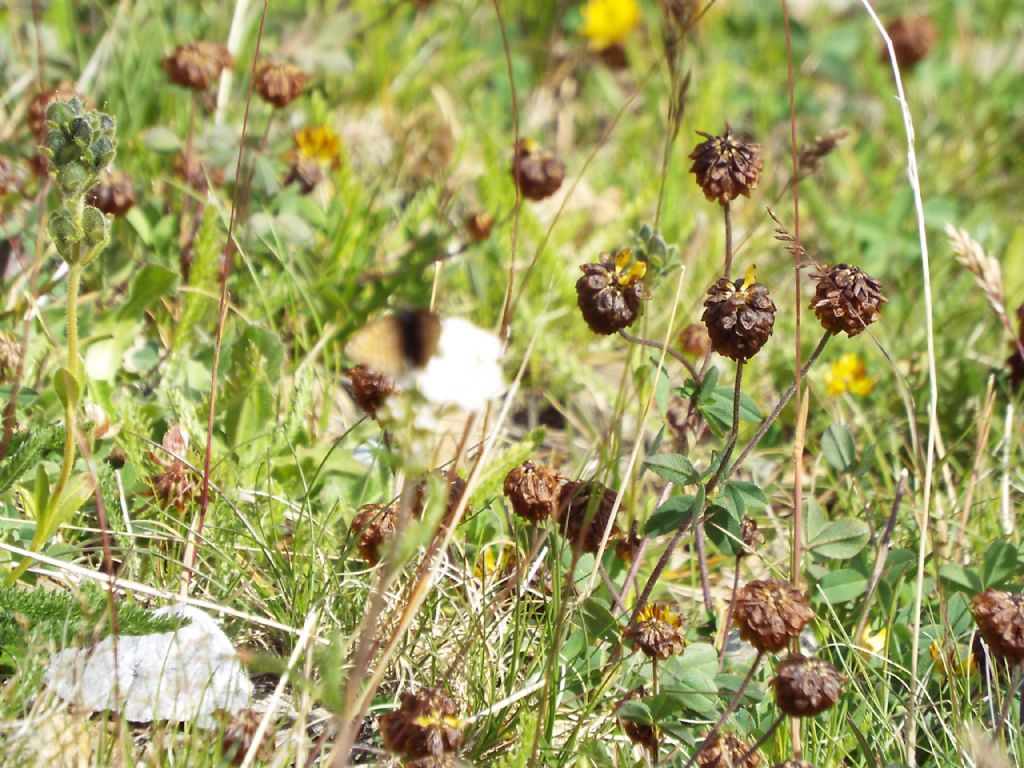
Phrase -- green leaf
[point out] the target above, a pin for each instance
(722, 526)
(673, 514)
(26, 450)
(599, 622)
(152, 283)
(673, 467)
(842, 586)
(959, 577)
(69, 389)
(692, 681)
(1000, 564)
(840, 539)
(838, 448)
(635, 712)
(739, 496)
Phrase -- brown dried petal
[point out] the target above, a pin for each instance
(374, 525)
(656, 632)
(726, 751)
(197, 65)
(739, 318)
(280, 82)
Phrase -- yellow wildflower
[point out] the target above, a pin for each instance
(607, 22)
(873, 643)
(847, 374)
(320, 144)
(957, 661)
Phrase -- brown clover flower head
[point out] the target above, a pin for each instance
(533, 490)
(10, 355)
(479, 225)
(846, 299)
(370, 388)
(912, 37)
(805, 687)
(739, 316)
(641, 734)
(770, 612)
(694, 340)
(726, 167)
(657, 632)
(750, 536)
(304, 173)
(239, 735)
(584, 510)
(280, 82)
(610, 292)
(374, 524)
(537, 172)
(726, 750)
(426, 724)
(36, 116)
(114, 195)
(1000, 618)
(196, 65)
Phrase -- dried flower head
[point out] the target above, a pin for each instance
(1000, 618)
(238, 737)
(306, 174)
(607, 23)
(197, 65)
(610, 292)
(694, 340)
(196, 173)
(114, 195)
(36, 115)
(846, 299)
(374, 524)
(656, 632)
(726, 167)
(175, 486)
(726, 750)
(319, 144)
(750, 537)
(805, 687)
(479, 225)
(533, 490)
(10, 355)
(370, 388)
(426, 724)
(641, 734)
(912, 36)
(769, 613)
(537, 172)
(739, 316)
(280, 82)
(817, 150)
(584, 511)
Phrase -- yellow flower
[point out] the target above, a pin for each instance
(873, 643)
(607, 22)
(847, 374)
(958, 661)
(320, 144)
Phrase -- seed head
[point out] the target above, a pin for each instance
(726, 751)
(726, 167)
(739, 316)
(239, 735)
(426, 724)
(280, 82)
(533, 490)
(537, 172)
(370, 388)
(694, 340)
(610, 292)
(374, 524)
(912, 37)
(769, 613)
(479, 225)
(1000, 618)
(584, 511)
(846, 299)
(656, 632)
(197, 65)
(805, 687)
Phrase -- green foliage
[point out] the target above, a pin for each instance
(25, 451)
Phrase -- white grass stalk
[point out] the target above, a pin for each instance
(933, 390)
(234, 43)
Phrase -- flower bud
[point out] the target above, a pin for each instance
(65, 235)
(80, 131)
(55, 143)
(73, 179)
(61, 113)
(102, 152)
(95, 227)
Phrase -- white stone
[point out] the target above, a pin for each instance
(179, 676)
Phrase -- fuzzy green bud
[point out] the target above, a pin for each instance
(95, 227)
(55, 143)
(103, 150)
(60, 113)
(64, 233)
(73, 178)
(81, 132)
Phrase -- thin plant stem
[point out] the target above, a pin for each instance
(70, 409)
(727, 266)
(1016, 675)
(732, 707)
(674, 353)
(191, 550)
(728, 613)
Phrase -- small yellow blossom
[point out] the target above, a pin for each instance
(958, 661)
(320, 144)
(607, 22)
(847, 374)
(873, 643)
(628, 271)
